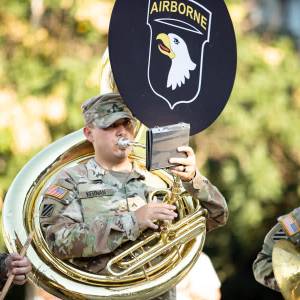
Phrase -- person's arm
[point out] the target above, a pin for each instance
(210, 198)
(200, 188)
(262, 266)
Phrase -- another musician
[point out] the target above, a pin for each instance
(287, 228)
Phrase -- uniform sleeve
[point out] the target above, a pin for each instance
(262, 266)
(3, 269)
(69, 237)
(210, 198)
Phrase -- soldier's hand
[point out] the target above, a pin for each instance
(19, 266)
(187, 166)
(148, 213)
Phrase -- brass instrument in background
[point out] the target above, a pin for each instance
(286, 267)
(147, 269)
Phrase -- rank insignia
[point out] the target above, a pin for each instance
(289, 224)
(47, 210)
(56, 191)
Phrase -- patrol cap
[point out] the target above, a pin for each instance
(105, 109)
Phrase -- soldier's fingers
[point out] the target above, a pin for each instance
(180, 168)
(21, 270)
(24, 262)
(150, 224)
(164, 217)
(185, 176)
(181, 174)
(167, 206)
(164, 212)
(189, 151)
(180, 161)
(20, 279)
(20, 282)
(16, 256)
(162, 205)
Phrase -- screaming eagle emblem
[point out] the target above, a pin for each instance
(179, 32)
(175, 47)
(173, 60)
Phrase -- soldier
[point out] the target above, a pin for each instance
(14, 264)
(287, 228)
(93, 208)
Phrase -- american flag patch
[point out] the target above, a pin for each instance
(56, 191)
(289, 224)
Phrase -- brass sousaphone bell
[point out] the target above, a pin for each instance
(286, 266)
(146, 270)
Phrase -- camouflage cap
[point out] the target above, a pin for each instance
(105, 109)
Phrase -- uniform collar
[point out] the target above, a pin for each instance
(137, 171)
(96, 172)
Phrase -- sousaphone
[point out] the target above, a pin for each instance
(148, 269)
(286, 266)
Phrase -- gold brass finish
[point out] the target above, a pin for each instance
(286, 266)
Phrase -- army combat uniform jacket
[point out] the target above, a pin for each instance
(262, 266)
(87, 213)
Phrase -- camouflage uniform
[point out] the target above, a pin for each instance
(94, 214)
(87, 213)
(262, 266)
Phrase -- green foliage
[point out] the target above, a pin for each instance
(251, 151)
(55, 57)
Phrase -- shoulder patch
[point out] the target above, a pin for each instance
(279, 235)
(56, 191)
(47, 210)
(289, 224)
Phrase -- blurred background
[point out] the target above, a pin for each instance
(50, 54)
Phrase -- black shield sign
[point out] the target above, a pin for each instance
(181, 41)
(173, 60)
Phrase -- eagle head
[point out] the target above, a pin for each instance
(173, 46)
